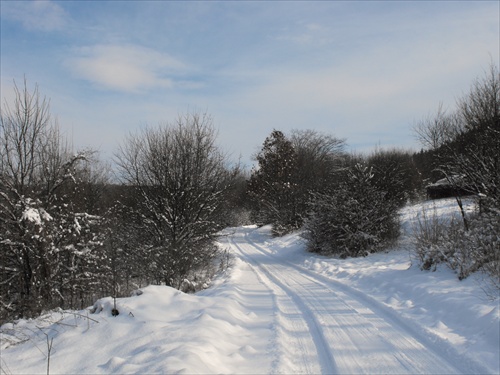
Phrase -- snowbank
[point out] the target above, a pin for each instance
(231, 327)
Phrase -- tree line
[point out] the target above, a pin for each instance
(70, 234)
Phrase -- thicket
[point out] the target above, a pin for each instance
(289, 170)
(395, 172)
(68, 236)
(346, 204)
(447, 241)
(50, 238)
(465, 148)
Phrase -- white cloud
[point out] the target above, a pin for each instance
(126, 68)
(361, 70)
(373, 93)
(36, 15)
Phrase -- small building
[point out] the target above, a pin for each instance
(448, 187)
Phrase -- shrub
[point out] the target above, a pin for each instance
(439, 240)
(354, 219)
(429, 232)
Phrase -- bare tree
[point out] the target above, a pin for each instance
(319, 157)
(180, 177)
(477, 157)
(439, 129)
(470, 160)
(466, 143)
(37, 221)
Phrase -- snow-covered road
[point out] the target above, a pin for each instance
(277, 309)
(324, 327)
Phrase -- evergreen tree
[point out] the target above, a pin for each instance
(273, 186)
(352, 219)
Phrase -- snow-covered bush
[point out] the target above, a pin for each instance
(429, 232)
(477, 248)
(49, 244)
(354, 219)
(464, 251)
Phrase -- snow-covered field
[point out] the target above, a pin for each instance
(278, 309)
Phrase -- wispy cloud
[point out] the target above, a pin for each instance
(362, 70)
(37, 15)
(127, 68)
(307, 34)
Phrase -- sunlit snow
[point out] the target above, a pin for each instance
(278, 309)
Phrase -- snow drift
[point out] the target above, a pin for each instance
(235, 326)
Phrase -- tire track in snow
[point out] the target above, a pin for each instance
(364, 342)
(396, 346)
(307, 319)
(439, 347)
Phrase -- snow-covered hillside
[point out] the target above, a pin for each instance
(278, 309)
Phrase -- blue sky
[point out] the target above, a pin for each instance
(361, 70)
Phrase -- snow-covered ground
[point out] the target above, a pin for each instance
(278, 309)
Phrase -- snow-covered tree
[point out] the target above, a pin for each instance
(478, 156)
(289, 170)
(466, 142)
(46, 243)
(180, 178)
(353, 218)
(467, 154)
(273, 186)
